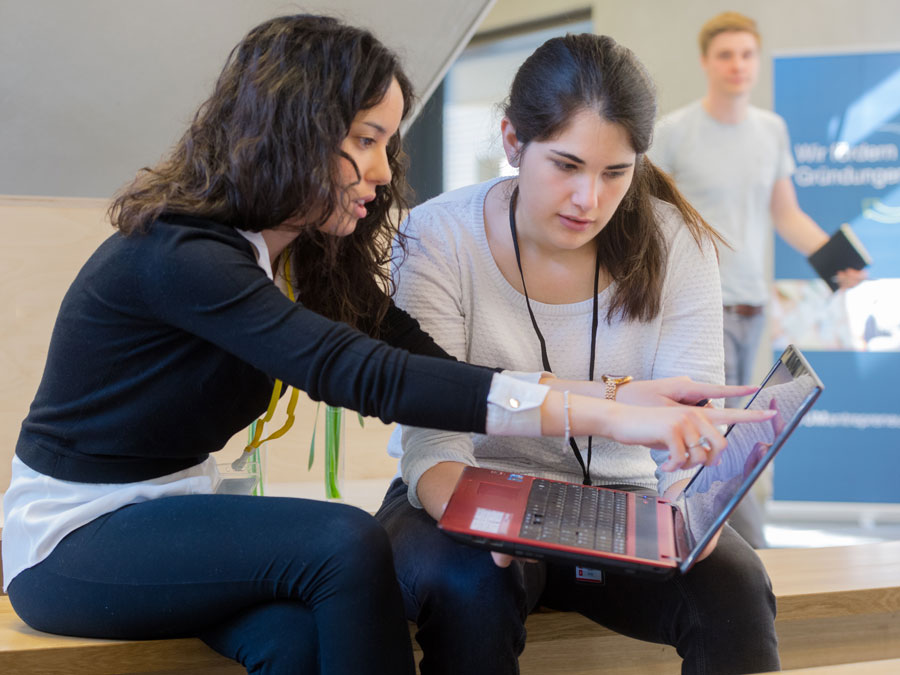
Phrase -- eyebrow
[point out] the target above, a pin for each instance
(578, 160)
(376, 126)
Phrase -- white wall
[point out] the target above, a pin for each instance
(92, 90)
(663, 33)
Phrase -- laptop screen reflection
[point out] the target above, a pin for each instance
(715, 490)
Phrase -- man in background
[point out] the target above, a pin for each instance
(733, 162)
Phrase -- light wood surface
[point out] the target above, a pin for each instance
(837, 569)
(836, 581)
(882, 667)
(851, 617)
(24, 650)
(835, 605)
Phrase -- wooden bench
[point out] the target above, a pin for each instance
(24, 650)
(835, 606)
(880, 667)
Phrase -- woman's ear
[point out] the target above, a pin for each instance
(511, 145)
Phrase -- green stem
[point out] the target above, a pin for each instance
(332, 451)
(254, 464)
(312, 443)
(256, 467)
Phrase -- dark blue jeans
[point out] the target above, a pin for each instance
(280, 585)
(471, 614)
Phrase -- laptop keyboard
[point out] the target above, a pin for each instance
(575, 515)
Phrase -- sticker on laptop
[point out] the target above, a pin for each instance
(517, 477)
(588, 575)
(490, 520)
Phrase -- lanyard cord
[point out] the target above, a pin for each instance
(585, 469)
(258, 440)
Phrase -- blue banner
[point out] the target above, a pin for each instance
(843, 116)
(846, 448)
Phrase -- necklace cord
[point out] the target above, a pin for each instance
(585, 469)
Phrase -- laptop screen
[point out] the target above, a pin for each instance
(790, 388)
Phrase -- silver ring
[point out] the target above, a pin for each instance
(702, 442)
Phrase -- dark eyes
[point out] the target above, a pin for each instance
(366, 142)
(568, 167)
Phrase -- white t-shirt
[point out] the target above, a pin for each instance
(727, 172)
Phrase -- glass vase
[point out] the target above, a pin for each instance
(335, 444)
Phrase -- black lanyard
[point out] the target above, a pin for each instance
(585, 469)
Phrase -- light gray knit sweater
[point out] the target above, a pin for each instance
(452, 285)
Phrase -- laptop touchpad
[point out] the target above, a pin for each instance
(499, 491)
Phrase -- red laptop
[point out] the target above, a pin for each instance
(620, 531)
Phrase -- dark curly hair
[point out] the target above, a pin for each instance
(567, 75)
(265, 148)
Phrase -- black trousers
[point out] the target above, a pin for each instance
(280, 585)
(471, 614)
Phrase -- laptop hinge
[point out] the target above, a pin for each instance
(682, 545)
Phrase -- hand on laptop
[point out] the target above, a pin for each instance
(436, 485)
(434, 490)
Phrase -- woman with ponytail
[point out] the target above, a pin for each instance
(588, 263)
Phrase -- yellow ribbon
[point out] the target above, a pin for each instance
(276, 394)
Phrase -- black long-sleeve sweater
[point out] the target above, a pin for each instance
(168, 343)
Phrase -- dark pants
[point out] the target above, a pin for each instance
(471, 614)
(280, 585)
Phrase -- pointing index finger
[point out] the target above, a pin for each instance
(735, 415)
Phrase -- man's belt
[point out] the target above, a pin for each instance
(744, 310)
